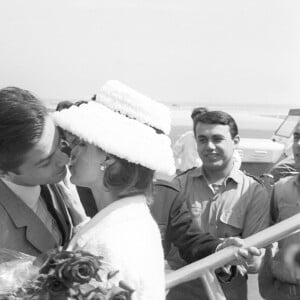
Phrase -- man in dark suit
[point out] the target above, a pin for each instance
(37, 209)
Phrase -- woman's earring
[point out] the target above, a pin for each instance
(102, 167)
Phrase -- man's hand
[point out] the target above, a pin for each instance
(247, 259)
(72, 200)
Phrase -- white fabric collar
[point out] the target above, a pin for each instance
(28, 194)
(123, 209)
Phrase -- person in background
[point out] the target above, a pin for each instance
(223, 200)
(39, 207)
(184, 243)
(63, 105)
(277, 281)
(185, 148)
(284, 168)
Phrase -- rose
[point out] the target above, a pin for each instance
(123, 295)
(54, 286)
(96, 296)
(78, 270)
(56, 259)
(74, 275)
(119, 293)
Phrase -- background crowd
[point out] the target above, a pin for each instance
(114, 152)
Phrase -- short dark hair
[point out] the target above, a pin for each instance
(198, 111)
(219, 118)
(63, 105)
(22, 119)
(125, 178)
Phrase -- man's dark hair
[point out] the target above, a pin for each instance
(218, 118)
(198, 111)
(22, 118)
(63, 105)
(80, 102)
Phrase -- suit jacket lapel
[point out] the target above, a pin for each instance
(22, 216)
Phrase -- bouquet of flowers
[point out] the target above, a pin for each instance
(67, 275)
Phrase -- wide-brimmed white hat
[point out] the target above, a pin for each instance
(119, 97)
(119, 129)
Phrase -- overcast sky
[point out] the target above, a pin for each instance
(180, 51)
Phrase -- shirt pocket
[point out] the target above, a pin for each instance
(232, 218)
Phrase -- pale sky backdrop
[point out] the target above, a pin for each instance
(177, 51)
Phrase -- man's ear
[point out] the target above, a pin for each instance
(2, 173)
(6, 175)
(236, 140)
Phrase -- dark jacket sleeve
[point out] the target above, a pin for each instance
(171, 213)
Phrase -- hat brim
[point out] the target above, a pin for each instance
(119, 135)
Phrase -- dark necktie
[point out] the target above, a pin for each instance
(45, 194)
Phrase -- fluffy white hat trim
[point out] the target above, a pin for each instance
(116, 134)
(119, 97)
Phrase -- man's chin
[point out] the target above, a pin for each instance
(60, 176)
(73, 178)
(214, 166)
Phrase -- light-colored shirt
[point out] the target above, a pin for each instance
(29, 194)
(185, 152)
(238, 207)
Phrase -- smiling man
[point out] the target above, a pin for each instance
(223, 200)
(37, 210)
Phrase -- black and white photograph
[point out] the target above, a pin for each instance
(150, 150)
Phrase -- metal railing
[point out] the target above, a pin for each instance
(205, 268)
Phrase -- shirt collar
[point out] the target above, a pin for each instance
(28, 194)
(235, 174)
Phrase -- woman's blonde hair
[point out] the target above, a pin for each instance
(124, 178)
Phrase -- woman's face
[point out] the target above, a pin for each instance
(85, 164)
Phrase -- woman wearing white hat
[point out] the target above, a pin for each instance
(122, 143)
